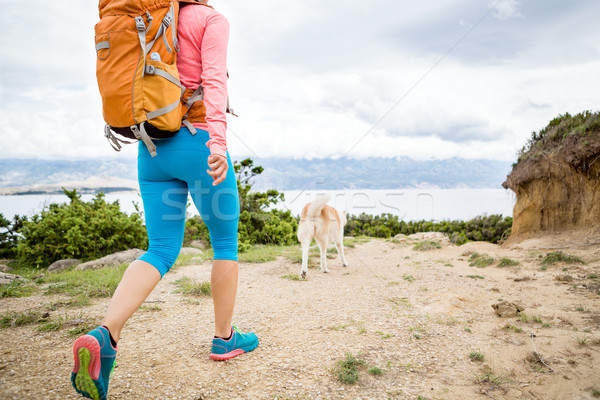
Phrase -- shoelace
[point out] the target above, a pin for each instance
(237, 330)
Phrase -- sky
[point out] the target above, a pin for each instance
(312, 79)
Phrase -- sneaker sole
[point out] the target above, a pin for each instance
(86, 351)
(233, 353)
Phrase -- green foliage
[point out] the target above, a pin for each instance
(16, 289)
(558, 256)
(9, 235)
(259, 222)
(189, 287)
(88, 283)
(427, 245)
(582, 126)
(482, 228)
(293, 277)
(507, 262)
(476, 356)
(375, 371)
(83, 230)
(347, 369)
(16, 319)
(480, 260)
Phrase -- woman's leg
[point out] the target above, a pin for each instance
(224, 283)
(164, 210)
(135, 286)
(219, 208)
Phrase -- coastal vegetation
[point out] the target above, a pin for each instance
(89, 230)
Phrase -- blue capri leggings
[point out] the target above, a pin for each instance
(180, 166)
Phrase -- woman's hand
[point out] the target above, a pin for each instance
(218, 168)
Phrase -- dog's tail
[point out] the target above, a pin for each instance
(317, 205)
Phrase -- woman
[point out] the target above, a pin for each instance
(179, 167)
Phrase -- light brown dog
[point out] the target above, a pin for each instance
(325, 224)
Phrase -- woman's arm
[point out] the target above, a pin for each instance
(214, 81)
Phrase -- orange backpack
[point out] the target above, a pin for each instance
(136, 68)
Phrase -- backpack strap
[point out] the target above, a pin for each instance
(113, 140)
(142, 135)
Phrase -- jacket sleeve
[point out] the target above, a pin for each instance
(214, 81)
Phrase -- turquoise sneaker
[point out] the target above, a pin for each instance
(237, 344)
(94, 363)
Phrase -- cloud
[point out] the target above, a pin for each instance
(313, 77)
(505, 9)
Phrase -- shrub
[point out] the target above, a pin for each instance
(84, 230)
(9, 235)
(259, 223)
(347, 369)
(485, 228)
(558, 256)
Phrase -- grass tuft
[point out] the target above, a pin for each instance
(347, 369)
(376, 371)
(427, 245)
(293, 277)
(476, 356)
(17, 289)
(510, 327)
(189, 287)
(558, 256)
(480, 260)
(475, 277)
(507, 262)
(89, 283)
(16, 319)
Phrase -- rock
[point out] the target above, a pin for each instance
(439, 236)
(197, 243)
(112, 260)
(564, 278)
(8, 278)
(505, 309)
(5, 268)
(62, 265)
(185, 251)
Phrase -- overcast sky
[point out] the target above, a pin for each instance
(314, 78)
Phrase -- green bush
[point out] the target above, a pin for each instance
(9, 235)
(259, 223)
(482, 228)
(83, 230)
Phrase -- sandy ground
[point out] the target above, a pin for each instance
(417, 315)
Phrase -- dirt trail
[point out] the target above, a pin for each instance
(417, 315)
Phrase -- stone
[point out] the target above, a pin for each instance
(505, 309)
(62, 265)
(8, 278)
(564, 278)
(197, 243)
(5, 268)
(112, 260)
(185, 251)
(433, 236)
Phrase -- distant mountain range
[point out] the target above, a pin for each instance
(279, 173)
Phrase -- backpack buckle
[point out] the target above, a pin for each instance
(150, 69)
(139, 24)
(167, 20)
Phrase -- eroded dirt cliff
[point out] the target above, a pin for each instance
(557, 177)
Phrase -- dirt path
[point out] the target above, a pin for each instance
(417, 315)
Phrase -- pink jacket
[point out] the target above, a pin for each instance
(203, 34)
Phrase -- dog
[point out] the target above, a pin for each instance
(325, 224)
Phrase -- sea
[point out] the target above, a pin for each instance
(407, 204)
